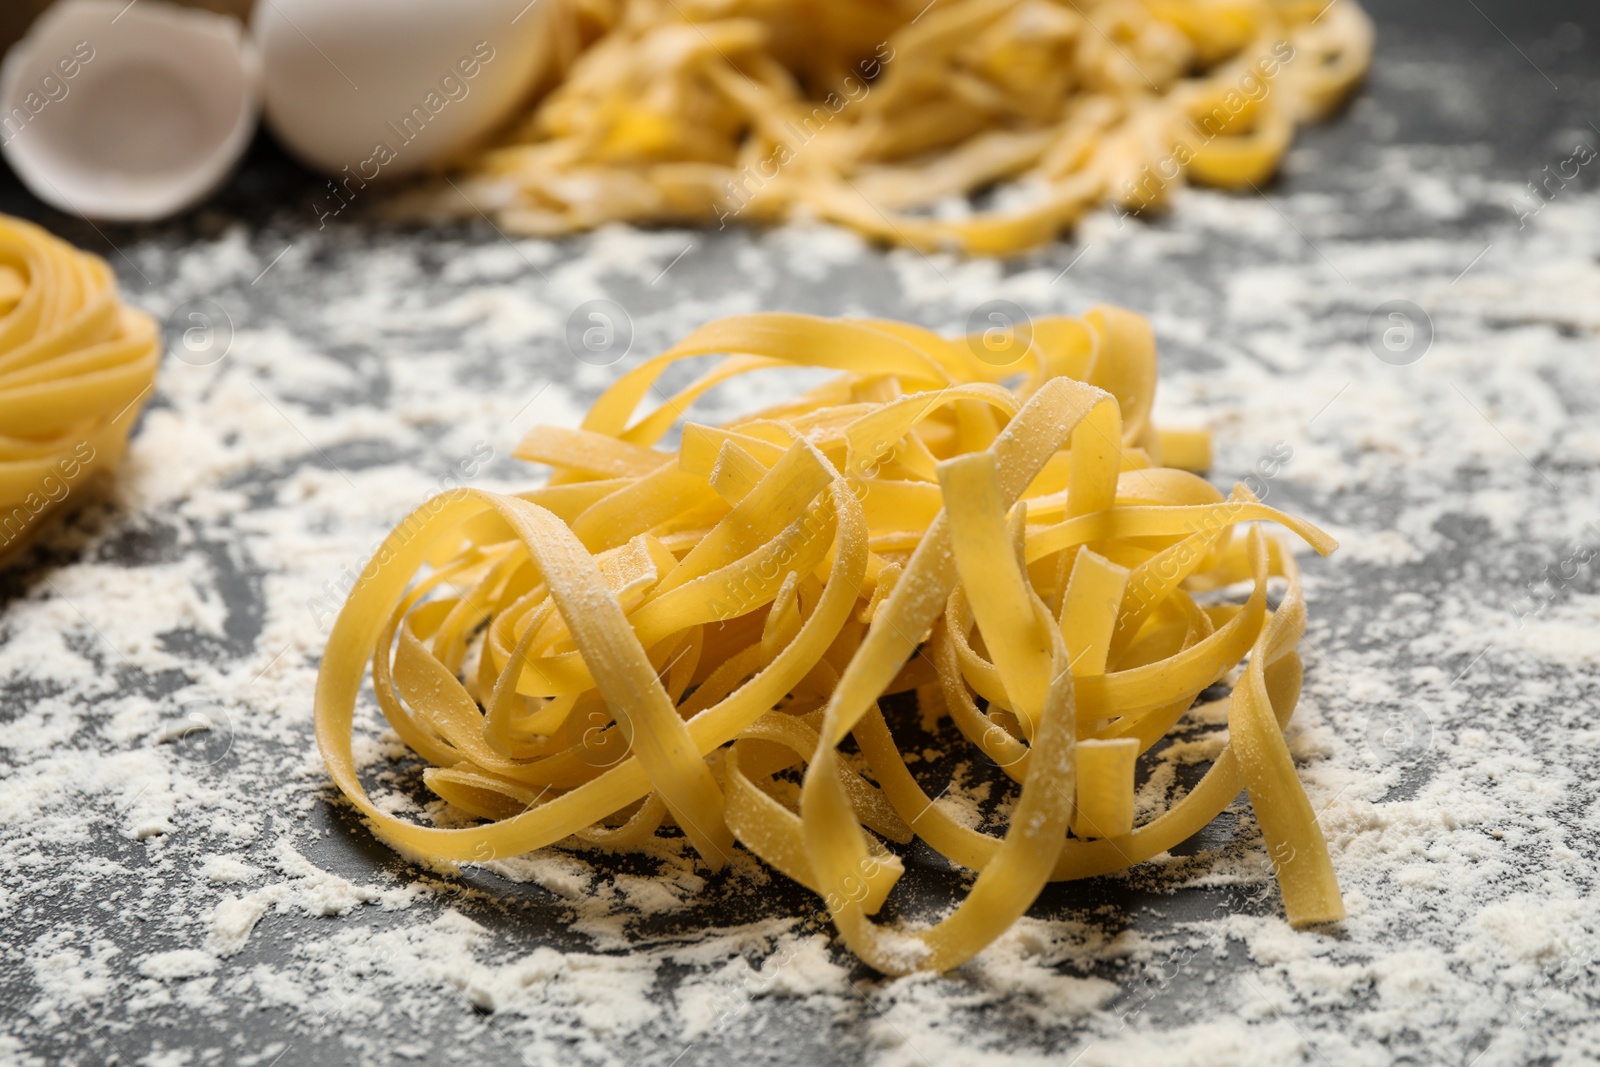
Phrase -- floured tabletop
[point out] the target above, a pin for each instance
(1402, 313)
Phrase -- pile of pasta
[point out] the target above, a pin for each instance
(76, 365)
(884, 115)
(658, 636)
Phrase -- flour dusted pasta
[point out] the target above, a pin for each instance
(654, 635)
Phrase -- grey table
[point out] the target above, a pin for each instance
(172, 895)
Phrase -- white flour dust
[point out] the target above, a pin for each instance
(176, 895)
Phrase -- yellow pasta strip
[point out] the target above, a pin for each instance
(702, 447)
(1089, 611)
(1295, 844)
(590, 453)
(1186, 449)
(1000, 596)
(1104, 802)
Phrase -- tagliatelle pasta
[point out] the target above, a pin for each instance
(884, 115)
(661, 636)
(75, 367)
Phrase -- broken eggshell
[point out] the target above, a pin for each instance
(368, 90)
(128, 112)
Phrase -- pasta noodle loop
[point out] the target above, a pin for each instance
(690, 636)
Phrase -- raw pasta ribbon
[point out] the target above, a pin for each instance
(681, 636)
(886, 115)
(75, 367)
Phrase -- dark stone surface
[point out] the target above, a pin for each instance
(1532, 90)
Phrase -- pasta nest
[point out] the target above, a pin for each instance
(690, 635)
(887, 115)
(76, 365)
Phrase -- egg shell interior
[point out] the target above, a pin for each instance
(128, 112)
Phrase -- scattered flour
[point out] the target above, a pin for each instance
(178, 879)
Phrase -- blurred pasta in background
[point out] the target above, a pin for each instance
(76, 366)
(888, 116)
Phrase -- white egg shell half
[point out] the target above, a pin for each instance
(128, 112)
(387, 87)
